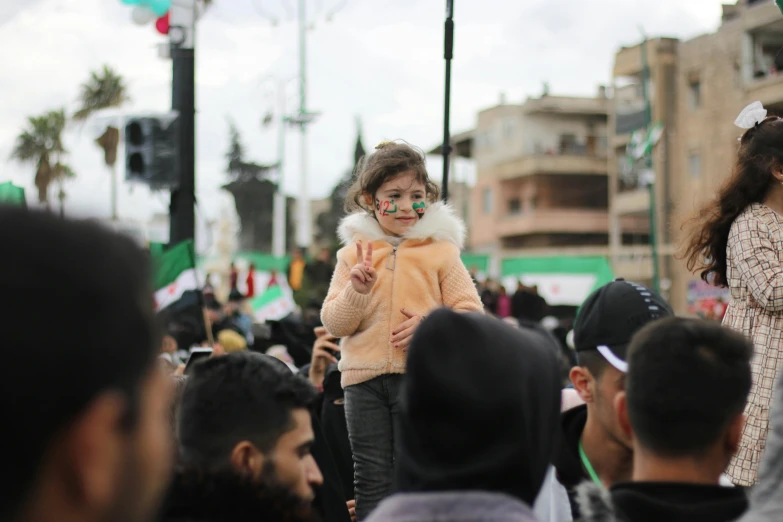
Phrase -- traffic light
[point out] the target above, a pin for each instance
(151, 151)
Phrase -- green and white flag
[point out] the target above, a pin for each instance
(560, 280)
(643, 141)
(274, 299)
(175, 273)
(12, 195)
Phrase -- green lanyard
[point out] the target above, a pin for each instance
(589, 467)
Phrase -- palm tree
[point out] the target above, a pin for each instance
(41, 142)
(103, 90)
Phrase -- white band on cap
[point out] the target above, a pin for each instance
(613, 359)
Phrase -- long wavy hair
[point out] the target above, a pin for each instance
(760, 153)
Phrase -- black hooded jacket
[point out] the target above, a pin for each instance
(568, 465)
(479, 407)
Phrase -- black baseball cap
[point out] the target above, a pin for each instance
(610, 317)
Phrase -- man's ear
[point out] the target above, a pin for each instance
(734, 434)
(621, 410)
(583, 382)
(93, 451)
(246, 460)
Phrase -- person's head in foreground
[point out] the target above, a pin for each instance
(244, 415)
(686, 388)
(479, 414)
(85, 408)
(607, 321)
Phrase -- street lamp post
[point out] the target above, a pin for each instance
(649, 166)
(448, 51)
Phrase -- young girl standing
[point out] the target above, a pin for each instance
(401, 260)
(737, 242)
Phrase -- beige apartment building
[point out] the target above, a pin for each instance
(697, 88)
(542, 179)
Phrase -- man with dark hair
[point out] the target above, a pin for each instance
(245, 436)
(593, 447)
(686, 388)
(83, 405)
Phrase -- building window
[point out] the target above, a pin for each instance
(532, 203)
(694, 94)
(486, 201)
(514, 206)
(568, 144)
(694, 165)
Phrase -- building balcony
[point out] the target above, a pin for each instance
(568, 105)
(553, 221)
(632, 202)
(553, 164)
(759, 13)
(768, 90)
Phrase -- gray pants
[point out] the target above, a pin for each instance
(371, 410)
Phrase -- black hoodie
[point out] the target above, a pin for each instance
(479, 407)
(662, 502)
(568, 465)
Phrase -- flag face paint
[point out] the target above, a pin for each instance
(385, 207)
(420, 208)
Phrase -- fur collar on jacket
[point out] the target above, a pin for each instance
(439, 223)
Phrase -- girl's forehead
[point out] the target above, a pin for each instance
(405, 181)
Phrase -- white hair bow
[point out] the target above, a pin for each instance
(751, 116)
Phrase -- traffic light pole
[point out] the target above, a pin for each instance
(182, 223)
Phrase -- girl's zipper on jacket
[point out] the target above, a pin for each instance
(391, 261)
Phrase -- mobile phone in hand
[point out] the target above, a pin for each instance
(197, 354)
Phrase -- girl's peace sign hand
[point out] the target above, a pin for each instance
(363, 275)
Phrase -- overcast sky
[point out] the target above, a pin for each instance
(378, 59)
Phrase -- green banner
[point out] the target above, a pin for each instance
(12, 195)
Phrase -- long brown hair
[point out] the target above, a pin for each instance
(389, 159)
(760, 153)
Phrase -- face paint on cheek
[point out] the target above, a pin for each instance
(385, 207)
(419, 208)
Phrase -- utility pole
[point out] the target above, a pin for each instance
(182, 34)
(279, 211)
(648, 160)
(448, 51)
(303, 233)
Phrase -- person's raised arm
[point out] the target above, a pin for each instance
(349, 294)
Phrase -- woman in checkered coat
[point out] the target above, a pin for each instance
(737, 242)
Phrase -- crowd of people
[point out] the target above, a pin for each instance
(416, 404)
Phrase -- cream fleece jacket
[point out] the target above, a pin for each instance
(422, 273)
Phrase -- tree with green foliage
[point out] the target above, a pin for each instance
(41, 143)
(103, 90)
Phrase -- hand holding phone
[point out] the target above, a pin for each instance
(197, 354)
